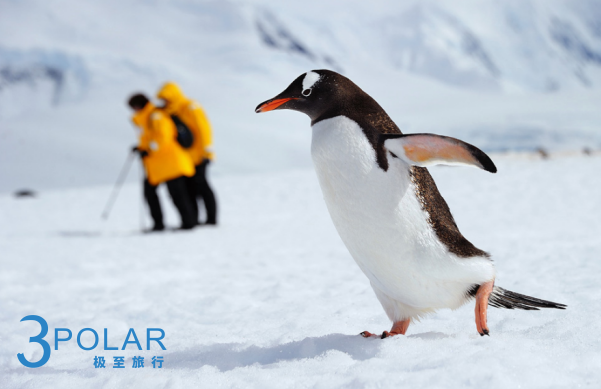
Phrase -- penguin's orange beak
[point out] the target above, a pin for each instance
(270, 105)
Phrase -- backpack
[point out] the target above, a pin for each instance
(184, 135)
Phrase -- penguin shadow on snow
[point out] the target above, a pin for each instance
(78, 234)
(228, 356)
(110, 234)
(432, 335)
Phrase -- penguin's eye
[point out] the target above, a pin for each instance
(307, 92)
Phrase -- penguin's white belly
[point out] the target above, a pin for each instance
(384, 227)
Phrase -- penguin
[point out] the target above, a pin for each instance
(387, 209)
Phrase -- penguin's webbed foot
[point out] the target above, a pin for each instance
(398, 328)
(367, 334)
(385, 334)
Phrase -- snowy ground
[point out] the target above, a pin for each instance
(272, 299)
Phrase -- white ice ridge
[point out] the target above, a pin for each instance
(310, 79)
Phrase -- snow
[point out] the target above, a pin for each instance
(271, 298)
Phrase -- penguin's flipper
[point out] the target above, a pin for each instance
(429, 149)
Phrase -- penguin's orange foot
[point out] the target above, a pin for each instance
(482, 296)
(367, 334)
(398, 328)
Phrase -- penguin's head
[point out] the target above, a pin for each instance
(311, 93)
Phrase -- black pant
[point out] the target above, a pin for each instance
(178, 191)
(198, 187)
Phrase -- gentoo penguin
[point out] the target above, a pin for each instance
(387, 208)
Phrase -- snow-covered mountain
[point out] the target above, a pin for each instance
(481, 70)
(528, 45)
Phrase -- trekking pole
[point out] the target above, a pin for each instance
(117, 187)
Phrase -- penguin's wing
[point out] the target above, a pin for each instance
(429, 149)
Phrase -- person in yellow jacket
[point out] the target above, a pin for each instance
(201, 151)
(164, 160)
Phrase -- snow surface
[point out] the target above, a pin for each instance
(271, 298)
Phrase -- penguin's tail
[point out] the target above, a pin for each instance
(503, 298)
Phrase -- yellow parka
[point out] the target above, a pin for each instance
(193, 116)
(166, 159)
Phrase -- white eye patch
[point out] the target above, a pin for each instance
(310, 79)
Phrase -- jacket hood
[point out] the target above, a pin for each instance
(171, 93)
